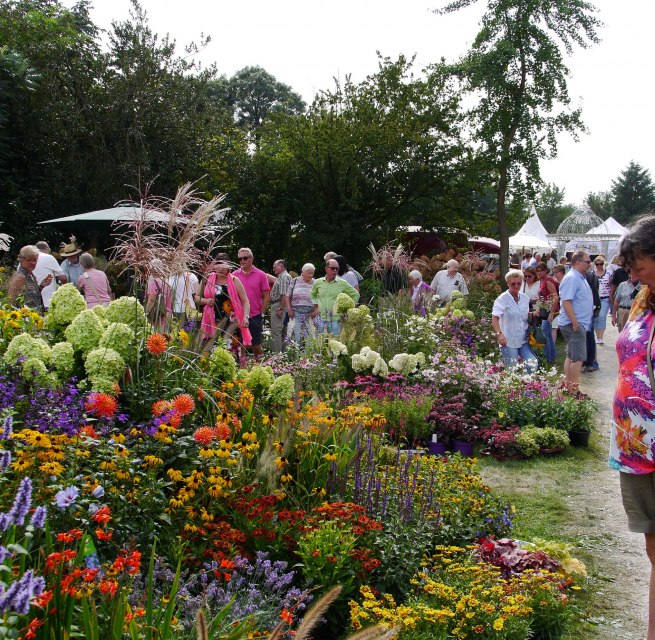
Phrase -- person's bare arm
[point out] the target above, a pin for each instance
(16, 285)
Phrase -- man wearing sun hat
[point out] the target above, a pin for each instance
(448, 280)
(71, 265)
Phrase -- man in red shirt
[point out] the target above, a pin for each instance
(255, 283)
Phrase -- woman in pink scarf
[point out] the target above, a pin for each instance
(225, 306)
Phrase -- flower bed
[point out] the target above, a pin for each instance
(143, 483)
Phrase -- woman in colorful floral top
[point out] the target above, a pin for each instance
(632, 443)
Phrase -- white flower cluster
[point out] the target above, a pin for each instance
(369, 359)
(406, 363)
(337, 348)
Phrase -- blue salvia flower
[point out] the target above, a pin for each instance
(5, 521)
(4, 553)
(22, 502)
(38, 517)
(7, 428)
(5, 459)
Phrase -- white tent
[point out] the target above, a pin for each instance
(611, 227)
(527, 242)
(532, 236)
(533, 227)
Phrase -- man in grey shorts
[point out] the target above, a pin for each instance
(576, 312)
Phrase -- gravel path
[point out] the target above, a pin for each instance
(620, 555)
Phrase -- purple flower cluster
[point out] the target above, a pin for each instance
(259, 589)
(58, 410)
(9, 393)
(19, 594)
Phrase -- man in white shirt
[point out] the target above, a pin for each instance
(45, 265)
(448, 280)
(182, 285)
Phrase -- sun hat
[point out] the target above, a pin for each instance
(71, 249)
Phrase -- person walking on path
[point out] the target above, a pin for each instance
(633, 425)
(577, 305)
(279, 294)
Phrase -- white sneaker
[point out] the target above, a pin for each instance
(600, 341)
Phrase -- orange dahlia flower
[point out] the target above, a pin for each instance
(102, 404)
(156, 344)
(203, 435)
(183, 404)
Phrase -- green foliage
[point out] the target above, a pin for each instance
(406, 417)
(601, 203)
(634, 193)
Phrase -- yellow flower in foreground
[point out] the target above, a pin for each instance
(499, 623)
(152, 461)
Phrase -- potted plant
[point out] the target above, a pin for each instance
(452, 422)
(501, 441)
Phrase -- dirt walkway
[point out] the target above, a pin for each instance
(619, 554)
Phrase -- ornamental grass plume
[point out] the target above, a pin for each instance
(171, 230)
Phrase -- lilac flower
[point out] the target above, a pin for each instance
(98, 492)
(22, 502)
(7, 428)
(38, 517)
(66, 497)
(4, 553)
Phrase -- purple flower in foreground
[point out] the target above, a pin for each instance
(22, 503)
(20, 593)
(38, 517)
(66, 497)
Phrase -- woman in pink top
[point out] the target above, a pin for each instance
(93, 283)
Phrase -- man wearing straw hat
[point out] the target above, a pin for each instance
(71, 265)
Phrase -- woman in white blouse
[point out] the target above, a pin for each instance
(509, 318)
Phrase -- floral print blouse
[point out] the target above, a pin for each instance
(632, 440)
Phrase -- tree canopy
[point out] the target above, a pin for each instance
(634, 193)
(516, 74)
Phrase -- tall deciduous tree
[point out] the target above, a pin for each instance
(601, 203)
(256, 95)
(551, 207)
(634, 193)
(364, 159)
(515, 70)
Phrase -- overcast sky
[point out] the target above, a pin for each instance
(306, 44)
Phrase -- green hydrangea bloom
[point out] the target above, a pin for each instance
(222, 365)
(343, 303)
(35, 369)
(25, 346)
(66, 304)
(101, 311)
(119, 337)
(102, 365)
(101, 384)
(281, 391)
(260, 379)
(380, 367)
(63, 358)
(129, 311)
(85, 331)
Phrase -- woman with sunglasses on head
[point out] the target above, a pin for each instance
(549, 303)
(509, 318)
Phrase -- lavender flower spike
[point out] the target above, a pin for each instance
(38, 518)
(5, 459)
(7, 428)
(22, 502)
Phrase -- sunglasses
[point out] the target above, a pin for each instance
(333, 268)
(244, 258)
(600, 264)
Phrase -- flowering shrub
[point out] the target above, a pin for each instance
(84, 331)
(65, 305)
(120, 338)
(104, 367)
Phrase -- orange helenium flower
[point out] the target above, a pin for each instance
(156, 344)
(102, 404)
(183, 404)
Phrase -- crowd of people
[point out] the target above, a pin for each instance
(229, 302)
